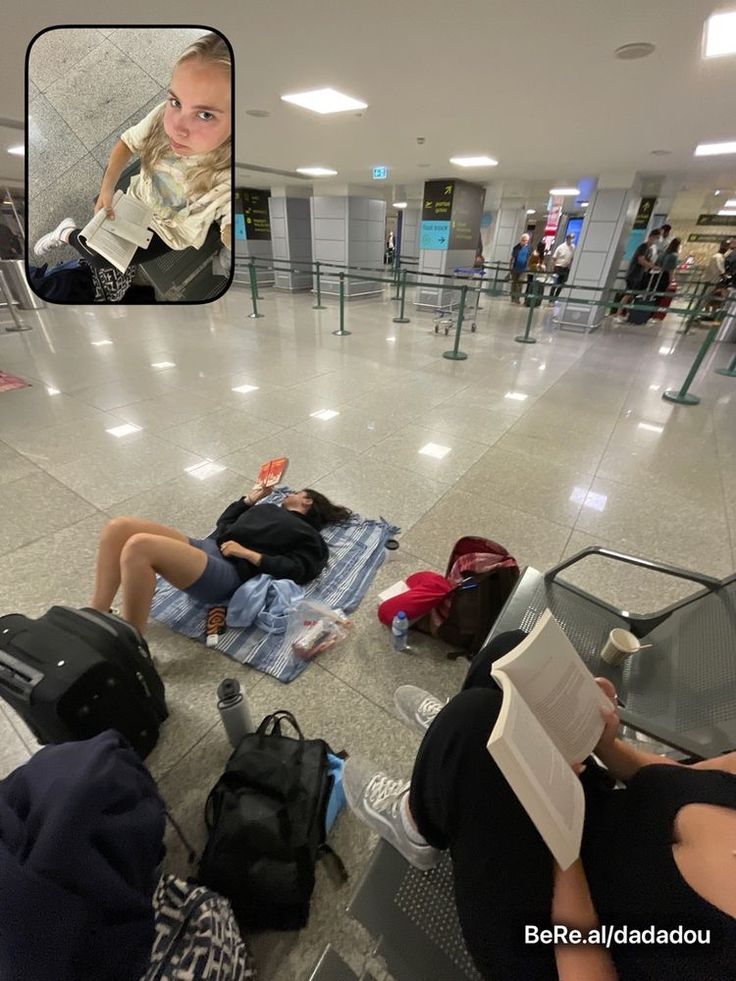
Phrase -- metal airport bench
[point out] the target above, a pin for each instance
(681, 692)
(184, 274)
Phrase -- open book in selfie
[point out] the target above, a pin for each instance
(550, 718)
(118, 238)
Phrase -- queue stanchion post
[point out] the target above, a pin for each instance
(683, 396)
(456, 354)
(318, 304)
(730, 372)
(17, 324)
(401, 319)
(688, 315)
(342, 332)
(526, 337)
(253, 291)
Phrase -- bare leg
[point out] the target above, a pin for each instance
(625, 300)
(114, 536)
(142, 557)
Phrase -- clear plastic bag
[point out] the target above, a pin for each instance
(314, 627)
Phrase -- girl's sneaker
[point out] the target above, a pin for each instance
(416, 707)
(53, 240)
(377, 799)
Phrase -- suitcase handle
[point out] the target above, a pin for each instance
(17, 676)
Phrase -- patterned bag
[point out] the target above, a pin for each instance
(197, 938)
(111, 285)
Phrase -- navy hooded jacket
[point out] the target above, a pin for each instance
(81, 837)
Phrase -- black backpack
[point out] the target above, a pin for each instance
(266, 826)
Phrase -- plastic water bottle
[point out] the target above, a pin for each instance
(400, 631)
(234, 711)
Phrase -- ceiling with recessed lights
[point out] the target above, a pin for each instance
(533, 85)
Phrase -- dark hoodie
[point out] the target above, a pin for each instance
(81, 836)
(290, 546)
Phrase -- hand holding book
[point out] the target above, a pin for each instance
(552, 717)
(271, 473)
(104, 202)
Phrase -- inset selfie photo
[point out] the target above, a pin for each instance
(130, 164)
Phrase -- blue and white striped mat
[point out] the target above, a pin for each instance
(357, 551)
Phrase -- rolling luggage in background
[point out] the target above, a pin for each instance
(663, 302)
(71, 674)
(643, 298)
(535, 293)
(636, 314)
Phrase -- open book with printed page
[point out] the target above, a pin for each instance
(550, 718)
(271, 473)
(116, 239)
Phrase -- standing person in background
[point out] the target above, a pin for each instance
(664, 241)
(715, 280)
(668, 263)
(562, 260)
(716, 268)
(730, 262)
(517, 266)
(536, 267)
(642, 263)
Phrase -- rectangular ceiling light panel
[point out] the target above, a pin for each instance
(324, 101)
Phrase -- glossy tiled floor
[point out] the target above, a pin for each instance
(552, 447)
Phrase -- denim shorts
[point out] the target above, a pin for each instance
(220, 578)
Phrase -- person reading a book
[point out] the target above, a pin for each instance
(280, 540)
(660, 852)
(185, 182)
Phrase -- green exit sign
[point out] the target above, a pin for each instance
(380, 173)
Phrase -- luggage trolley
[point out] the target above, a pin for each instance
(443, 315)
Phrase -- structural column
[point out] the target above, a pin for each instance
(348, 231)
(507, 228)
(599, 254)
(253, 230)
(410, 223)
(449, 236)
(291, 238)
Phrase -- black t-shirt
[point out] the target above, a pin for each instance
(634, 880)
(636, 274)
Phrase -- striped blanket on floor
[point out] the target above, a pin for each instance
(357, 551)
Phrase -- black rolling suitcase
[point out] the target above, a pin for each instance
(71, 674)
(645, 297)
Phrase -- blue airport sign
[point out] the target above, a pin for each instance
(435, 235)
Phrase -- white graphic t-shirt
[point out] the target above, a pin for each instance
(177, 220)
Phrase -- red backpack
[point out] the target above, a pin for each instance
(483, 575)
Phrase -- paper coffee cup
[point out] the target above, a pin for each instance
(620, 645)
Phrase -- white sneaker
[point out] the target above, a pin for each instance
(416, 707)
(53, 240)
(377, 798)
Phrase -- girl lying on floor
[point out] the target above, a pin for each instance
(280, 540)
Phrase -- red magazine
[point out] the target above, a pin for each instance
(271, 473)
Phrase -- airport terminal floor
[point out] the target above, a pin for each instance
(552, 447)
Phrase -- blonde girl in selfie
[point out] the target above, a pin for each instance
(185, 151)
